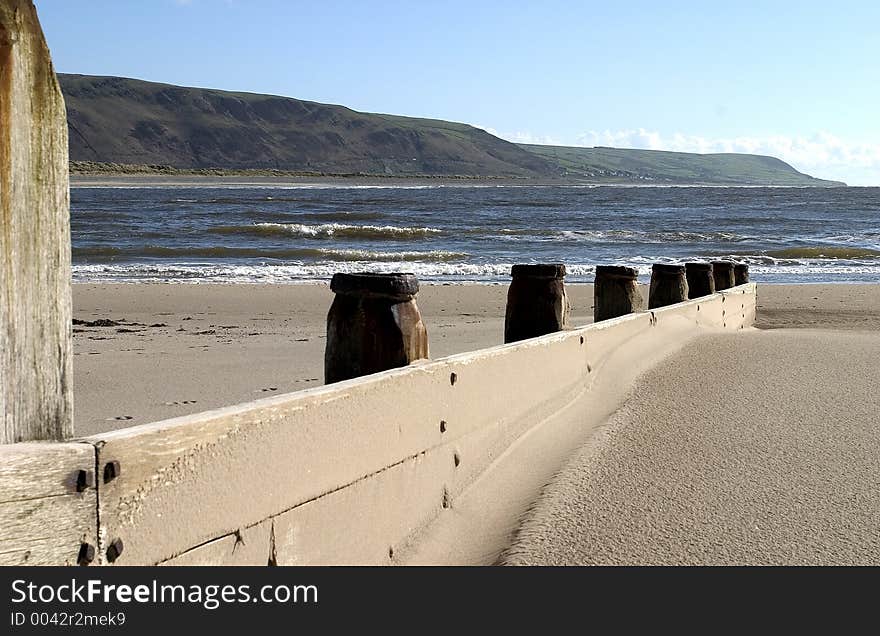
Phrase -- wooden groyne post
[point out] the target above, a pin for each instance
(668, 285)
(36, 377)
(700, 279)
(373, 325)
(616, 292)
(536, 302)
(741, 273)
(723, 273)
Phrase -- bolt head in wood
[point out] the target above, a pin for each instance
(85, 479)
(111, 471)
(114, 550)
(86, 554)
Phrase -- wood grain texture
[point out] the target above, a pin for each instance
(248, 546)
(43, 518)
(35, 306)
(381, 513)
(191, 481)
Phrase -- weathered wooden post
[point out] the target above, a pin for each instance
(615, 292)
(741, 273)
(36, 377)
(722, 271)
(373, 325)
(700, 279)
(668, 285)
(536, 302)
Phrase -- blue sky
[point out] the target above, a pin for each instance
(798, 80)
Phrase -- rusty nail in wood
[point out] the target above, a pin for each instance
(111, 471)
(84, 479)
(86, 554)
(114, 550)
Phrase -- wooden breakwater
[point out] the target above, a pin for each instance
(347, 473)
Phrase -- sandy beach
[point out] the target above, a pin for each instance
(181, 349)
(758, 448)
(753, 448)
(170, 350)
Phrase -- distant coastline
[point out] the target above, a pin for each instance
(122, 126)
(84, 172)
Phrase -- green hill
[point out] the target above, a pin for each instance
(125, 125)
(659, 166)
(126, 121)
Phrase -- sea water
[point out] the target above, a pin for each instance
(466, 233)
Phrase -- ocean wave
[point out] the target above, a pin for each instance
(340, 215)
(642, 236)
(297, 254)
(365, 255)
(611, 236)
(427, 271)
(329, 230)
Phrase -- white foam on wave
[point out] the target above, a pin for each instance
(438, 270)
(343, 229)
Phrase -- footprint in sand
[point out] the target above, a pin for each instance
(267, 389)
(120, 418)
(181, 402)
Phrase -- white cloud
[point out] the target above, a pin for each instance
(822, 154)
(522, 137)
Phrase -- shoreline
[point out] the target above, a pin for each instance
(184, 179)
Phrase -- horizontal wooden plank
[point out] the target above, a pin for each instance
(248, 546)
(364, 523)
(43, 518)
(188, 481)
(193, 480)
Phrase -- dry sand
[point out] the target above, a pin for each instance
(758, 447)
(752, 448)
(182, 349)
(186, 348)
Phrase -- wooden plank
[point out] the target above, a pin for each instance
(35, 306)
(364, 523)
(193, 480)
(187, 481)
(248, 546)
(43, 518)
